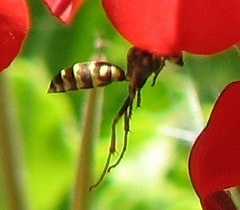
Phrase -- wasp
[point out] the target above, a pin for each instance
(141, 65)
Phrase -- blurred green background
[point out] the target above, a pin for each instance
(153, 174)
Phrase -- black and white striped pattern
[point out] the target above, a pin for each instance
(86, 75)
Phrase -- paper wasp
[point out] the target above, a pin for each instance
(140, 65)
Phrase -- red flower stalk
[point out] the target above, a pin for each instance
(65, 10)
(214, 163)
(14, 25)
(168, 27)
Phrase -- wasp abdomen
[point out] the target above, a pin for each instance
(86, 75)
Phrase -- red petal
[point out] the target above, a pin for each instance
(214, 160)
(152, 25)
(65, 10)
(168, 27)
(210, 26)
(14, 25)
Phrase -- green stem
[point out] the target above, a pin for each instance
(82, 196)
(11, 160)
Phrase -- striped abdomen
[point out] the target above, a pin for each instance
(86, 75)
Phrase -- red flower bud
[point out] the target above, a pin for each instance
(14, 25)
(168, 27)
(214, 160)
(65, 10)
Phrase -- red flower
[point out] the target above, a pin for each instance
(169, 27)
(214, 162)
(65, 10)
(14, 25)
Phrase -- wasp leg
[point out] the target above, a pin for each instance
(120, 113)
(126, 131)
(112, 148)
(123, 110)
(158, 71)
(103, 172)
(127, 116)
(139, 99)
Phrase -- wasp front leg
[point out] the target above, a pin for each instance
(158, 70)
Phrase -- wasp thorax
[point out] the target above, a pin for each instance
(86, 75)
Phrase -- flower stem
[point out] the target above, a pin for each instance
(91, 128)
(82, 196)
(11, 160)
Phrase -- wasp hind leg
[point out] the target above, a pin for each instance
(112, 148)
(126, 131)
(103, 172)
(127, 116)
